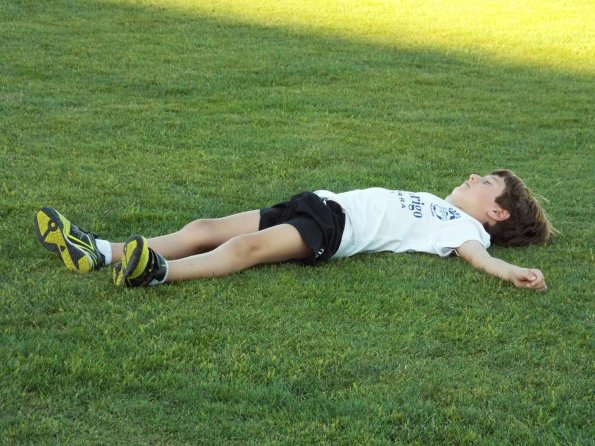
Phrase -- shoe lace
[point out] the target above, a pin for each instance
(96, 255)
(78, 231)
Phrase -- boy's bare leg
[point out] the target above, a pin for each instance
(276, 244)
(199, 236)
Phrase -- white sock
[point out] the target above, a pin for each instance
(105, 249)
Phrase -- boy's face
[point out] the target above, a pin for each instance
(477, 197)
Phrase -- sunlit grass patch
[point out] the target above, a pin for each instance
(554, 33)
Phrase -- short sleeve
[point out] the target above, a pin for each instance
(457, 232)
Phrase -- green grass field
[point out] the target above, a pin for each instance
(139, 116)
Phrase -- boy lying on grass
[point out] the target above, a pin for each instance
(312, 228)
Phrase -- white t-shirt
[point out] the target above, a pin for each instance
(379, 219)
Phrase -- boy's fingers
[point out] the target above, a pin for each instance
(535, 279)
(536, 274)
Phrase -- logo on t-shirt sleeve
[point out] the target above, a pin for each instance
(443, 213)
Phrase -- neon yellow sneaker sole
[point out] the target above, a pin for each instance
(73, 245)
(140, 265)
(135, 257)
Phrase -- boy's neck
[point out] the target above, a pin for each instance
(482, 218)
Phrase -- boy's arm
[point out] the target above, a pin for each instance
(476, 254)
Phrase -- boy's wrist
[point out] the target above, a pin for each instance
(513, 271)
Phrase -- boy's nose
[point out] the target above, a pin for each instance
(473, 178)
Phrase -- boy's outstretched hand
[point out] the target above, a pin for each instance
(528, 278)
(475, 253)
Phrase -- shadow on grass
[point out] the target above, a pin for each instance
(252, 114)
(246, 100)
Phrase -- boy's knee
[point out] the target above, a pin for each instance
(200, 234)
(202, 226)
(245, 246)
(195, 225)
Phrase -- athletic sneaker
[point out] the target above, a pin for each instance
(140, 265)
(73, 245)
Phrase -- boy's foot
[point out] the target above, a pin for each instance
(73, 245)
(140, 266)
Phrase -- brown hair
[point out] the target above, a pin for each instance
(528, 224)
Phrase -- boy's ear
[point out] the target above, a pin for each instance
(499, 214)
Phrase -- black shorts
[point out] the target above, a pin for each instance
(319, 222)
